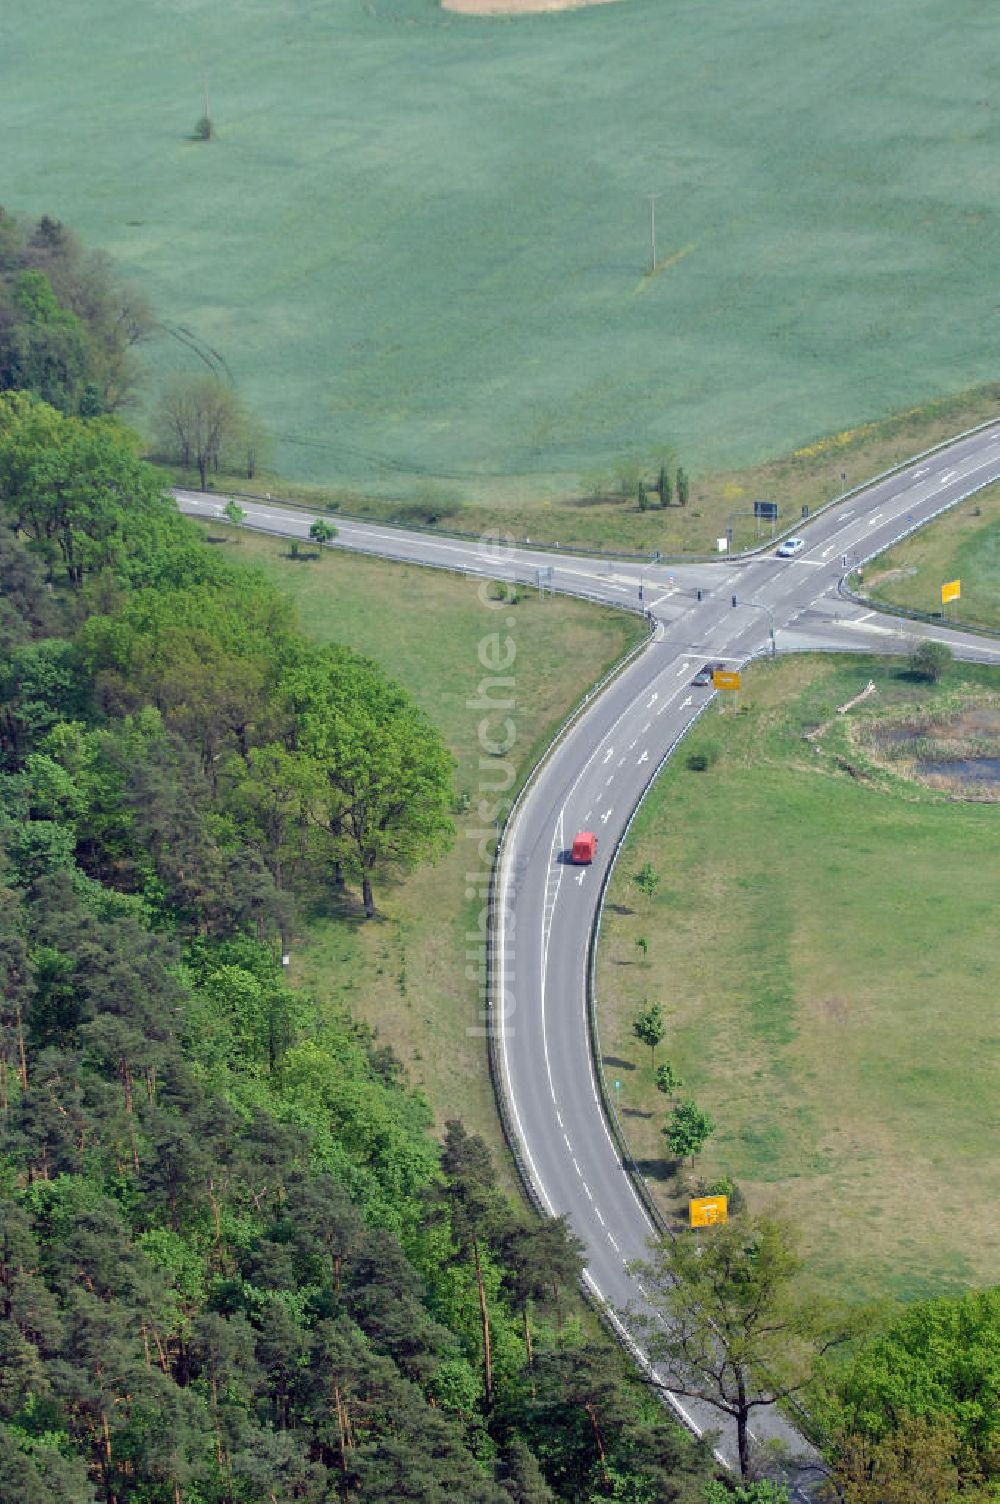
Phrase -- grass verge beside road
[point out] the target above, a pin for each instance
(963, 544)
(807, 477)
(405, 973)
(823, 941)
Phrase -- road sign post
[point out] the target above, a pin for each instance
(765, 511)
(950, 591)
(727, 679)
(708, 1211)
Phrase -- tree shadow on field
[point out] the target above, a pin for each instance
(655, 1169)
(620, 908)
(344, 905)
(619, 1064)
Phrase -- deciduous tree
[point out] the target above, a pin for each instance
(386, 770)
(74, 487)
(667, 1079)
(930, 660)
(649, 1027)
(322, 531)
(938, 1360)
(731, 1320)
(917, 1462)
(196, 418)
(688, 1130)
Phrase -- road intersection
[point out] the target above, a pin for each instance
(544, 913)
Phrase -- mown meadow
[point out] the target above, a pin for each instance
(822, 941)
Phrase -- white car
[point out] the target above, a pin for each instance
(791, 547)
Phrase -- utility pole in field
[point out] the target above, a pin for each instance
(652, 228)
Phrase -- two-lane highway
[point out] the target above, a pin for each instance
(545, 910)
(593, 780)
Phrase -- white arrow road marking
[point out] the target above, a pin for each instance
(609, 754)
(844, 515)
(872, 520)
(682, 670)
(922, 471)
(687, 702)
(652, 699)
(582, 875)
(610, 780)
(946, 477)
(642, 759)
(645, 728)
(632, 742)
(829, 550)
(606, 816)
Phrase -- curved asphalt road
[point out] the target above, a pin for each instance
(594, 778)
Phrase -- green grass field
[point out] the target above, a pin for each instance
(420, 240)
(405, 972)
(825, 949)
(962, 545)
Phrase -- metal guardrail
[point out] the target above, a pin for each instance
(610, 1109)
(656, 1217)
(911, 613)
(405, 525)
(492, 1011)
(602, 553)
(657, 1220)
(639, 1184)
(465, 571)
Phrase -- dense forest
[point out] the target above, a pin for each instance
(234, 1262)
(236, 1265)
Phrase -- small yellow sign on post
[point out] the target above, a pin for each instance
(952, 591)
(725, 678)
(707, 1211)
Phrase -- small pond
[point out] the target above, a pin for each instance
(967, 769)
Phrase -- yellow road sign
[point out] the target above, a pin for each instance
(706, 1211)
(724, 678)
(952, 591)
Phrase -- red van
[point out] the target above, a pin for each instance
(584, 847)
